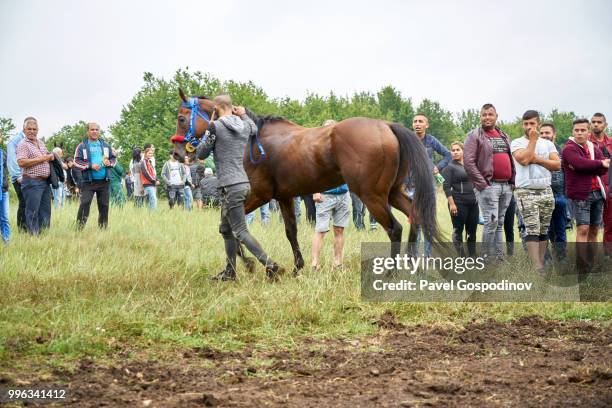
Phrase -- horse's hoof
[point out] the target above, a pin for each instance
(274, 272)
(249, 264)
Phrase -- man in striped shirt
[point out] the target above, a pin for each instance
(33, 158)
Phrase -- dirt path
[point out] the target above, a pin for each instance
(526, 363)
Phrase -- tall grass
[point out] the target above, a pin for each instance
(143, 282)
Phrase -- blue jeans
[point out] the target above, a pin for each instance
(5, 229)
(493, 203)
(151, 194)
(556, 231)
(358, 211)
(37, 195)
(58, 195)
(426, 244)
(188, 198)
(264, 210)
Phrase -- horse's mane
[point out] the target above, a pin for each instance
(260, 121)
(203, 97)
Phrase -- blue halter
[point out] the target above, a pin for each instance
(194, 105)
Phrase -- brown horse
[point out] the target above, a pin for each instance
(372, 156)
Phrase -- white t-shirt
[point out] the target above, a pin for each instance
(175, 173)
(533, 175)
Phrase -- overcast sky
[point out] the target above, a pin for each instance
(63, 61)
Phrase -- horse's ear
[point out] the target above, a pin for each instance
(182, 95)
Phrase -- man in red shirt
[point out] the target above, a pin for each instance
(489, 165)
(604, 142)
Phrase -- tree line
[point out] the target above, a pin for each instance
(150, 117)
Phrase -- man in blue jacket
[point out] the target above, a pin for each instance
(94, 157)
(420, 124)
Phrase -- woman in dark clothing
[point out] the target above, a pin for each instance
(462, 202)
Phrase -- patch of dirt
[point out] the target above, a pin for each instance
(529, 362)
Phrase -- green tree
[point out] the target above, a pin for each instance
(68, 137)
(563, 124)
(6, 130)
(468, 120)
(394, 107)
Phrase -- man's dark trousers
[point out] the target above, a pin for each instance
(101, 189)
(21, 219)
(37, 197)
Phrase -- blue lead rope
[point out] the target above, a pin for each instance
(262, 153)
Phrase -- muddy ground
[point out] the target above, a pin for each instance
(529, 362)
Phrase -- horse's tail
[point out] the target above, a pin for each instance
(414, 157)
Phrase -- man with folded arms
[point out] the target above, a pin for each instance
(534, 159)
(33, 158)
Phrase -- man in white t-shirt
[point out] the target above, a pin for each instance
(175, 176)
(534, 159)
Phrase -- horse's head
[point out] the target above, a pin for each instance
(193, 116)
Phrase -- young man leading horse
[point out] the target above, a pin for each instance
(227, 137)
(284, 160)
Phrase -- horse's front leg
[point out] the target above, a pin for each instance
(288, 212)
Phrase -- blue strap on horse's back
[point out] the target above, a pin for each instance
(194, 105)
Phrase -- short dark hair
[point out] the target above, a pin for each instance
(147, 145)
(600, 115)
(580, 121)
(488, 106)
(550, 125)
(530, 114)
(420, 114)
(136, 155)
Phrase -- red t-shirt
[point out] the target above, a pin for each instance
(594, 181)
(502, 167)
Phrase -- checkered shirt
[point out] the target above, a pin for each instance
(30, 150)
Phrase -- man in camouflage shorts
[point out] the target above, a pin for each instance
(534, 159)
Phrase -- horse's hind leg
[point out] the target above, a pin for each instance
(398, 199)
(378, 206)
(288, 212)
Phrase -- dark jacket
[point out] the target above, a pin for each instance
(478, 158)
(579, 170)
(457, 184)
(557, 181)
(82, 155)
(56, 175)
(210, 190)
(74, 177)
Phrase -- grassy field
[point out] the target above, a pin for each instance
(143, 284)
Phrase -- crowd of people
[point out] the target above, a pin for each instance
(487, 179)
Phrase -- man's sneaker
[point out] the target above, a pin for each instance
(224, 275)
(274, 272)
